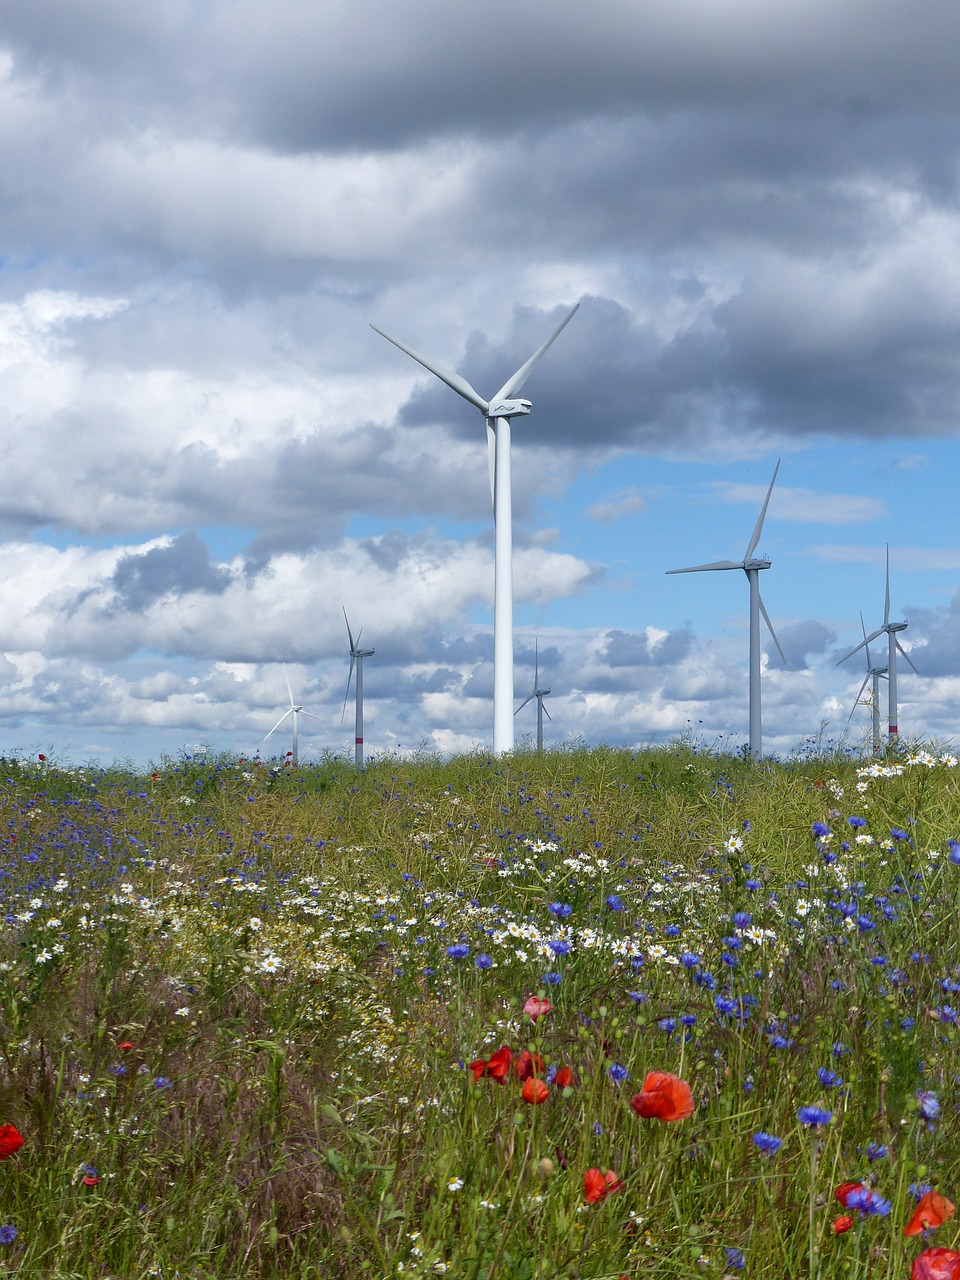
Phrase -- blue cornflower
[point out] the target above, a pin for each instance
(638, 997)
(162, 1082)
(928, 1104)
(877, 1151)
(119, 1069)
(856, 822)
(614, 902)
(735, 1259)
(742, 919)
(672, 931)
(458, 951)
(820, 829)
(753, 885)
(667, 1024)
(8, 1234)
(552, 979)
(723, 1004)
(954, 847)
(868, 1202)
(829, 1079)
(617, 1073)
(768, 1143)
(688, 1019)
(689, 960)
(919, 1189)
(560, 909)
(484, 961)
(596, 1129)
(560, 946)
(897, 834)
(777, 1041)
(814, 1116)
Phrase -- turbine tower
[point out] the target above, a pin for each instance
(876, 674)
(498, 412)
(893, 647)
(296, 711)
(539, 694)
(751, 567)
(357, 656)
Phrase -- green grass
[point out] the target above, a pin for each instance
(297, 1100)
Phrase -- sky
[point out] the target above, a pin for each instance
(209, 454)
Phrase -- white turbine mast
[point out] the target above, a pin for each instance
(498, 412)
(357, 656)
(539, 694)
(893, 648)
(294, 710)
(751, 567)
(876, 674)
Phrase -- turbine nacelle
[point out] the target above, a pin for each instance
(508, 408)
(895, 626)
(757, 564)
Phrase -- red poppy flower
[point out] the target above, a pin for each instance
(598, 1185)
(536, 1007)
(527, 1065)
(534, 1091)
(125, 1046)
(90, 1180)
(932, 1210)
(563, 1077)
(11, 1140)
(41, 756)
(663, 1097)
(842, 1224)
(936, 1264)
(496, 1067)
(846, 1189)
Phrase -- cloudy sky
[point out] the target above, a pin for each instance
(208, 453)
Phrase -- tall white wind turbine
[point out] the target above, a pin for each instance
(893, 648)
(498, 412)
(539, 694)
(294, 710)
(357, 656)
(751, 568)
(876, 674)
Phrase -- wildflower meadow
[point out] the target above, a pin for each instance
(588, 1014)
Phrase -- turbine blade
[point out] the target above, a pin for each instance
(312, 714)
(886, 604)
(862, 645)
(856, 701)
(492, 462)
(347, 694)
(763, 511)
(547, 714)
(524, 703)
(766, 618)
(717, 564)
(453, 380)
(287, 678)
(906, 655)
(513, 386)
(349, 632)
(864, 630)
(288, 712)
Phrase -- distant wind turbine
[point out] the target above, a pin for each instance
(294, 710)
(751, 568)
(539, 694)
(876, 674)
(893, 648)
(498, 412)
(357, 656)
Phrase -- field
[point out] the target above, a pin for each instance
(588, 1014)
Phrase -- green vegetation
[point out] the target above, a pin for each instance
(243, 1008)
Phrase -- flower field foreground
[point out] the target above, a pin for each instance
(588, 1015)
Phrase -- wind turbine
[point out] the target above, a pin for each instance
(893, 647)
(751, 567)
(539, 694)
(357, 656)
(498, 412)
(294, 710)
(874, 673)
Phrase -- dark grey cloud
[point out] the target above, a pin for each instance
(803, 640)
(630, 649)
(182, 566)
